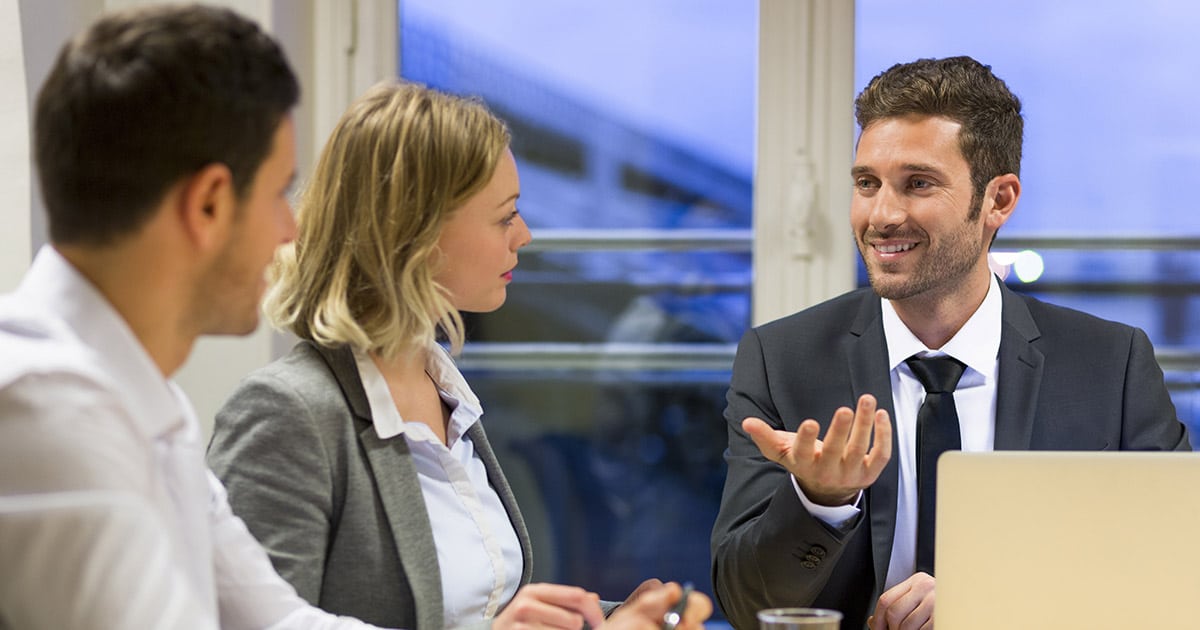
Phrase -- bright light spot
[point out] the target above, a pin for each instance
(1028, 266)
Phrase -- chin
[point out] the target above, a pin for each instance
(237, 327)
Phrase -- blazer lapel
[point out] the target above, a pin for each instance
(483, 449)
(868, 358)
(400, 494)
(391, 464)
(1020, 374)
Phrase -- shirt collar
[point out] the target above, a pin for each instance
(53, 285)
(451, 386)
(976, 344)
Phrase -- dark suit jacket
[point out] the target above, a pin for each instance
(1067, 381)
(339, 510)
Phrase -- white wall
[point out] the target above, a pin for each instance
(15, 245)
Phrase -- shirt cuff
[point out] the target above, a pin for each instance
(837, 517)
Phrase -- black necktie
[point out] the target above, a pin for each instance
(937, 432)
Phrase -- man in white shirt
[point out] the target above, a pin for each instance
(166, 150)
(828, 514)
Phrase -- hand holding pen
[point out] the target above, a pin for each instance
(656, 609)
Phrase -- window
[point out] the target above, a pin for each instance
(603, 377)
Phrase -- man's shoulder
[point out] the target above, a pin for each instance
(1055, 321)
(36, 343)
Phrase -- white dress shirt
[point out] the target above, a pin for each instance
(478, 552)
(976, 344)
(108, 516)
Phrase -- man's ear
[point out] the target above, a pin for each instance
(1001, 199)
(207, 205)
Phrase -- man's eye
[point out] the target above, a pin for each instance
(921, 183)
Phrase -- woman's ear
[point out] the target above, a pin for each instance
(207, 205)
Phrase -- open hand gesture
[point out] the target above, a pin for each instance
(834, 470)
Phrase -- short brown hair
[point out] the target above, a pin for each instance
(963, 90)
(145, 97)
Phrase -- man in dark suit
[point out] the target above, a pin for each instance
(827, 514)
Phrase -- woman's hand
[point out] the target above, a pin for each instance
(550, 606)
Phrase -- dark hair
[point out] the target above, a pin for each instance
(963, 90)
(146, 97)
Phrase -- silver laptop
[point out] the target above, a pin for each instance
(1054, 540)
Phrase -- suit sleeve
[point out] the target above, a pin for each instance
(767, 550)
(270, 457)
(1150, 422)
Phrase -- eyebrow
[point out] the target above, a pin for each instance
(911, 167)
(510, 198)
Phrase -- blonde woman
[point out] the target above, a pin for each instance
(358, 460)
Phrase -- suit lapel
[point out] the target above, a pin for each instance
(1020, 374)
(869, 374)
(499, 483)
(400, 494)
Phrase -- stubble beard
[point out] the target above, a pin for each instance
(939, 271)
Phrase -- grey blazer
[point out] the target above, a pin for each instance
(1067, 381)
(339, 510)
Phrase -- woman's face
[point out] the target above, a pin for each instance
(479, 243)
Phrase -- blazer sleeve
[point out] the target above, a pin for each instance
(267, 452)
(1150, 421)
(767, 550)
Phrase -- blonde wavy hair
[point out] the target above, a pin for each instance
(361, 270)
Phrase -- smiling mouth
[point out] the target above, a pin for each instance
(894, 249)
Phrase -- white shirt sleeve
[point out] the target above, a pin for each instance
(837, 517)
(90, 559)
(80, 546)
(82, 543)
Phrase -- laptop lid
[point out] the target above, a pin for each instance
(1060, 540)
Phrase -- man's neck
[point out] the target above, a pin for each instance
(146, 296)
(935, 318)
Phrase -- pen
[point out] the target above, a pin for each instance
(675, 615)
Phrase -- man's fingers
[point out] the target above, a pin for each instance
(860, 430)
(908, 604)
(881, 451)
(834, 444)
(769, 441)
(804, 446)
(782, 446)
